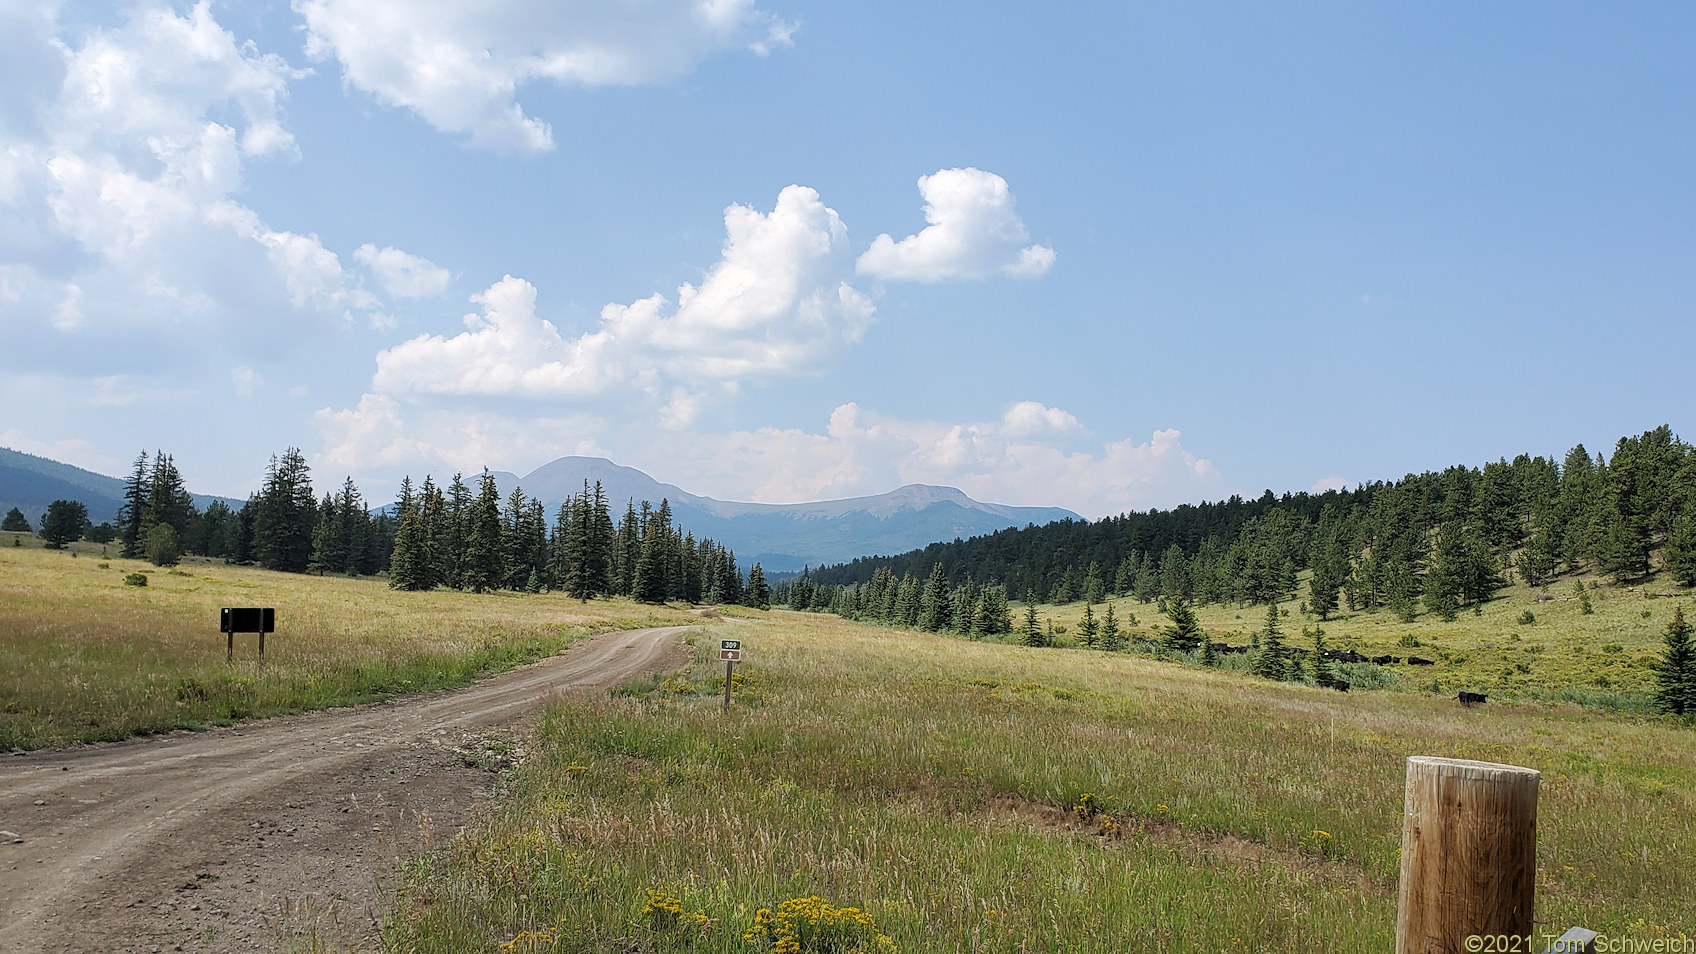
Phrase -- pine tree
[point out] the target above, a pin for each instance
(1033, 632)
(1269, 662)
(1184, 634)
(758, 593)
(935, 602)
(286, 514)
(450, 556)
(1209, 657)
(1089, 630)
(1675, 671)
(1443, 578)
(485, 553)
(64, 522)
(1112, 638)
(134, 509)
(16, 522)
(1324, 674)
(409, 566)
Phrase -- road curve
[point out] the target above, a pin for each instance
(259, 835)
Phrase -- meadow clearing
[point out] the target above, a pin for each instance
(892, 790)
(85, 657)
(968, 796)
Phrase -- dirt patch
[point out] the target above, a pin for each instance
(272, 834)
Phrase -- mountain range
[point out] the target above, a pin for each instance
(781, 537)
(787, 537)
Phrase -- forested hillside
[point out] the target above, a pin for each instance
(1434, 542)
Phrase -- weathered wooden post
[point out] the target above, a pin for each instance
(1469, 857)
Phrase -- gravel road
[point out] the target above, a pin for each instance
(262, 836)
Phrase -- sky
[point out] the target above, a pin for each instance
(1100, 256)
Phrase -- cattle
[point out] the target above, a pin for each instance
(1417, 661)
(1340, 686)
(1345, 655)
(1386, 660)
(1471, 698)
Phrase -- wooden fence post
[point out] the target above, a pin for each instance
(1469, 856)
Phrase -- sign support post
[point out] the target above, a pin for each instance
(729, 650)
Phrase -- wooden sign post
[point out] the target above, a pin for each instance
(729, 650)
(1469, 857)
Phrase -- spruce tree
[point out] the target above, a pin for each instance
(935, 602)
(1269, 662)
(1184, 634)
(1324, 674)
(1033, 631)
(758, 592)
(409, 566)
(16, 521)
(1209, 657)
(1112, 638)
(1089, 630)
(1675, 671)
(134, 510)
(64, 522)
(286, 514)
(485, 556)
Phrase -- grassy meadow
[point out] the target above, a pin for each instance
(85, 657)
(890, 790)
(1561, 655)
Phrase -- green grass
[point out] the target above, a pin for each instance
(84, 657)
(978, 797)
(1601, 659)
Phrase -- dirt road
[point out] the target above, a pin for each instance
(259, 837)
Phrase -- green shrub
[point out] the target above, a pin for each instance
(135, 579)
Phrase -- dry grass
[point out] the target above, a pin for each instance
(961, 794)
(85, 657)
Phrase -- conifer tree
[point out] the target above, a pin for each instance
(1324, 674)
(134, 510)
(485, 552)
(758, 592)
(1089, 630)
(64, 522)
(1112, 638)
(1184, 634)
(1209, 657)
(1675, 671)
(409, 566)
(1270, 662)
(1033, 632)
(286, 514)
(16, 522)
(450, 556)
(935, 602)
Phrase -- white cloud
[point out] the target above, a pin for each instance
(776, 303)
(995, 461)
(856, 453)
(974, 232)
(118, 167)
(459, 65)
(402, 275)
(70, 450)
(245, 380)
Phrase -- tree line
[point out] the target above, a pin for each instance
(431, 537)
(1436, 542)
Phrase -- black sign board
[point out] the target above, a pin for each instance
(247, 619)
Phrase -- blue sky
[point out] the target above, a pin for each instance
(1102, 257)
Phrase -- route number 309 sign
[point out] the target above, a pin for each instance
(730, 650)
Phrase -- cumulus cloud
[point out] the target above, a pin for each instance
(402, 275)
(973, 232)
(857, 452)
(117, 171)
(997, 461)
(459, 66)
(776, 303)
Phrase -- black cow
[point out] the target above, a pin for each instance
(1417, 661)
(1386, 660)
(1345, 655)
(1471, 698)
(1340, 686)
